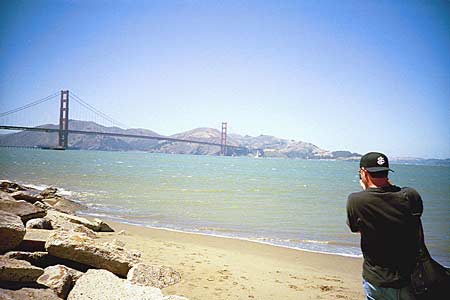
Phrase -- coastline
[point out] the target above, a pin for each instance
(110, 219)
(226, 268)
(223, 268)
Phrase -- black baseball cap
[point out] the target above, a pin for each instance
(374, 162)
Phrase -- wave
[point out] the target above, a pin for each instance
(215, 229)
(72, 195)
(325, 247)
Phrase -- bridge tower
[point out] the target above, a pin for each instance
(64, 120)
(223, 139)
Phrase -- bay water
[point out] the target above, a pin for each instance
(292, 203)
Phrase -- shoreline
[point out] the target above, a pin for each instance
(131, 223)
(226, 268)
(88, 212)
(223, 269)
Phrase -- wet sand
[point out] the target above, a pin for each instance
(222, 268)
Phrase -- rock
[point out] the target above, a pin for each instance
(40, 223)
(102, 226)
(112, 288)
(59, 278)
(31, 245)
(81, 229)
(6, 196)
(66, 221)
(12, 231)
(74, 273)
(39, 259)
(42, 205)
(85, 250)
(29, 196)
(118, 243)
(67, 206)
(62, 204)
(28, 294)
(6, 185)
(159, 277)
(42, 259)
(31, 257)
(49, 192)
(18, 270)
(51, 201)
(23, 209)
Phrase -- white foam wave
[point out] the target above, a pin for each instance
(60, 191)
(266, 241)
(38, 187)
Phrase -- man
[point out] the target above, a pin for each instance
(382, 215)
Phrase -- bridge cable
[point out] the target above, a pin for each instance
(93, 109)
(29, 105)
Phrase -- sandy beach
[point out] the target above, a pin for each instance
(222, 268)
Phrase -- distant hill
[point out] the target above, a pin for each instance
(199, 134)
(271, 146)
(83, 142)
(420, 161)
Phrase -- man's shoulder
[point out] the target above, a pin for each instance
(410, 191)
(357, 198)
(414, 200)
(357, 195)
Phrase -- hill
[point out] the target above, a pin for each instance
(270, 146)
(83, 142)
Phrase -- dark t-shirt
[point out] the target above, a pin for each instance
(388, 233)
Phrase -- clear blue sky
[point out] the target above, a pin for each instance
(354, 75)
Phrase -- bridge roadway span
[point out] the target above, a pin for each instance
(149, 137)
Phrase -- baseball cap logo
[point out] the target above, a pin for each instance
(380, 160)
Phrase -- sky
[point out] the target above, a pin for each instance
(344, 75)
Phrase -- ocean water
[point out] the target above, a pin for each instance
(284, 202)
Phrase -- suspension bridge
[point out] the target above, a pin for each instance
(19, 119)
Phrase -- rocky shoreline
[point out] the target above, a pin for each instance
(70, 262)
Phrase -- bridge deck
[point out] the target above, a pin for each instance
(161, 138)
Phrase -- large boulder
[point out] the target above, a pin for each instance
(31, 245)
(43, 260)
(9, 186)
(42, 205)
(83, 249)
(102, 226)
(12, 231)
(29, 196)
(23, 209)
(84, 230)
(6, 196)
(38, 258)
(155, 276)
(18, 270)
(28, 294)
(39, 223)
(49, 192)
(101, 284)
(66, 221)
(63, 204)
(60, 279)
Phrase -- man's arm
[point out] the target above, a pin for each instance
(415, 201)
(352, 218)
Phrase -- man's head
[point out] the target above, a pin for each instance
(373, 169)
